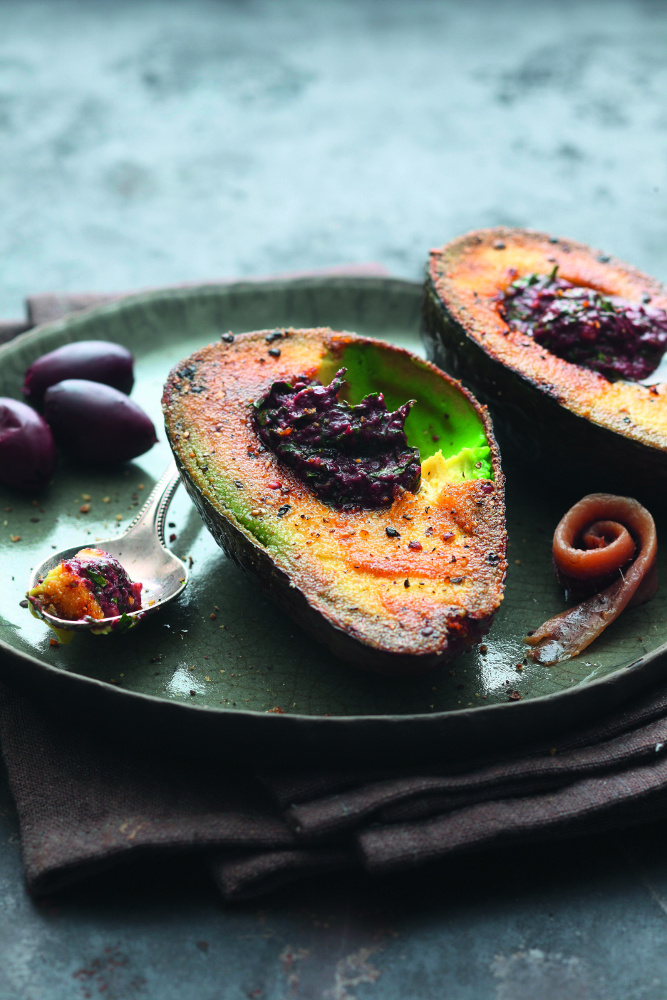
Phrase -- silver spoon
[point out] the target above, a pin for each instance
(142, 553)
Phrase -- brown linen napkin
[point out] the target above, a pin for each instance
(86, 802)
(10, 328)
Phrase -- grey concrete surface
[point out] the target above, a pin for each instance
(151, 142)
(584, 920)
(143, 143)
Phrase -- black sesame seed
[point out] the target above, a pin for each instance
(284, 510)
(276, 335)
(228, 338)
(393, 533)
(274, 352)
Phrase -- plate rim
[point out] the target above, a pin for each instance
(622, 682)
(189, 290)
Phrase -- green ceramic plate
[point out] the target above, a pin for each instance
(222, 667)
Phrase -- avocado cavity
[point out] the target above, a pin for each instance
(609, 334)
(355, 455)
(350, 456)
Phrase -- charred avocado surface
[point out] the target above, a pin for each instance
(397, 589)
(572, 419)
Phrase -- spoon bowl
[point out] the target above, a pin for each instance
(141, 551)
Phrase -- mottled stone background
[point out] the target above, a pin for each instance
(153, 142)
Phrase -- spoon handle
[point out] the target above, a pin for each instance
(151, 518)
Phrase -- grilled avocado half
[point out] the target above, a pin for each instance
(399, 589)
(570, 423)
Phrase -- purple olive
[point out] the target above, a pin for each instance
(95, 360)
(27, 448)
(96, 423)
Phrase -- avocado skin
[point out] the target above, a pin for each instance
(387, 653)
(535, 423)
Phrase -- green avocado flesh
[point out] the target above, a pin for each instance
(458, 428)
(397, 589)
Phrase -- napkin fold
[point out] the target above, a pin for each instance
(86, 802)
